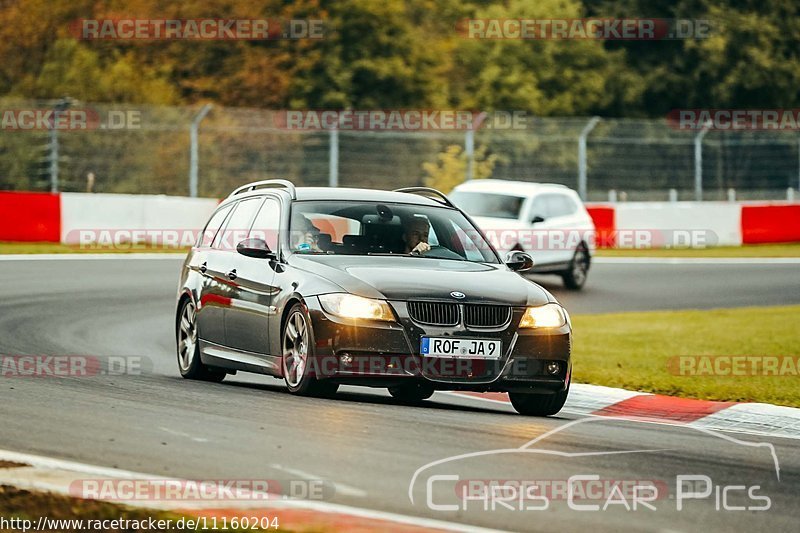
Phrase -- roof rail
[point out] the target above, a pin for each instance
(428, 192)
(267, 184)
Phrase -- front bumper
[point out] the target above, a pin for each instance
(383, 354)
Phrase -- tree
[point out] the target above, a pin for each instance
(450, 167)
(546, 77)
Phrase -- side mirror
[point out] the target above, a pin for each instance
(519, 261)
(256, 248)
(537, 219)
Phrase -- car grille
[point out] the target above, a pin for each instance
(486, 316)
(434, 313)
(446, 314)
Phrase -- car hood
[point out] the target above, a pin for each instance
(411, 278)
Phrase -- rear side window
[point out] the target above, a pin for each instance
(540, 208)
(214, 223)
(553, 205)
(238, 225)
(562, 205)
(267, 223)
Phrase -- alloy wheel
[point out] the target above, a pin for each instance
(295, 349)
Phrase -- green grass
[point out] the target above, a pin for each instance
(752, 250)
(25, 505)
(748, 250)
(633, 350)
(56, 248)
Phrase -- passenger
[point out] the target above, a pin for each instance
(416, 235)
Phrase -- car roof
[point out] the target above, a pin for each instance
(511, 187)
(346, 193)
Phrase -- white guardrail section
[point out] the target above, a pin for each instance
(88, 218)
(677, 224)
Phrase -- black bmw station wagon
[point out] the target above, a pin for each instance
(395, 289)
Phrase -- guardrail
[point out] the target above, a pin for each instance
(60, 217)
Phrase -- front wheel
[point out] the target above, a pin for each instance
(575, 276)
(189, 363)
(538, 404)
(298, 351)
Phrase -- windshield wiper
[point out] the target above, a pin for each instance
(421, 256)
(399, 254)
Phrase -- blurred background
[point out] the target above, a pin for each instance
(403, 55)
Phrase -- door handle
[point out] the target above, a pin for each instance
(232, 274)
(203, 268)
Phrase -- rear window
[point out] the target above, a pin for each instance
(481, 204)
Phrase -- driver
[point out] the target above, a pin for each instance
(416, 235)
(305, 235)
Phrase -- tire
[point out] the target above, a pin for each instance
(412, 393)
(297, 347)
(538, 404)
(575, 276)
(189, 363)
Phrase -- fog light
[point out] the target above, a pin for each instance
(553, 368)
(346, 359)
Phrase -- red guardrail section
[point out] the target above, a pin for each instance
(30, 217)
(604, 225)
(770, 223)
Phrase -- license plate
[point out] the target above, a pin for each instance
(461, 348)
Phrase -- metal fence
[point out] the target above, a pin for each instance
(208, 151)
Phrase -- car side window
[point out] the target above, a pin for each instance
(212, 228)
(238, 225)
(267, 223)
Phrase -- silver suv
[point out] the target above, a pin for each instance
(546, 220)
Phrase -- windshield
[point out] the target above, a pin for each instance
(370, 228)
(481, 204)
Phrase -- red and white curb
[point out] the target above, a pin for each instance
(57, 476)
(751, 418)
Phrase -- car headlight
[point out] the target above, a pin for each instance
(545, 316)
(352, 306)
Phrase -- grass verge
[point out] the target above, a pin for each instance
(747, 250)
(751, 250)
(638, 351)
(56, 248)
(26, 505)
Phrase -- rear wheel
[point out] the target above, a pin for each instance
(189, 363)
(538, 404)
(411, 392)
(575, 276)
(298, 350)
